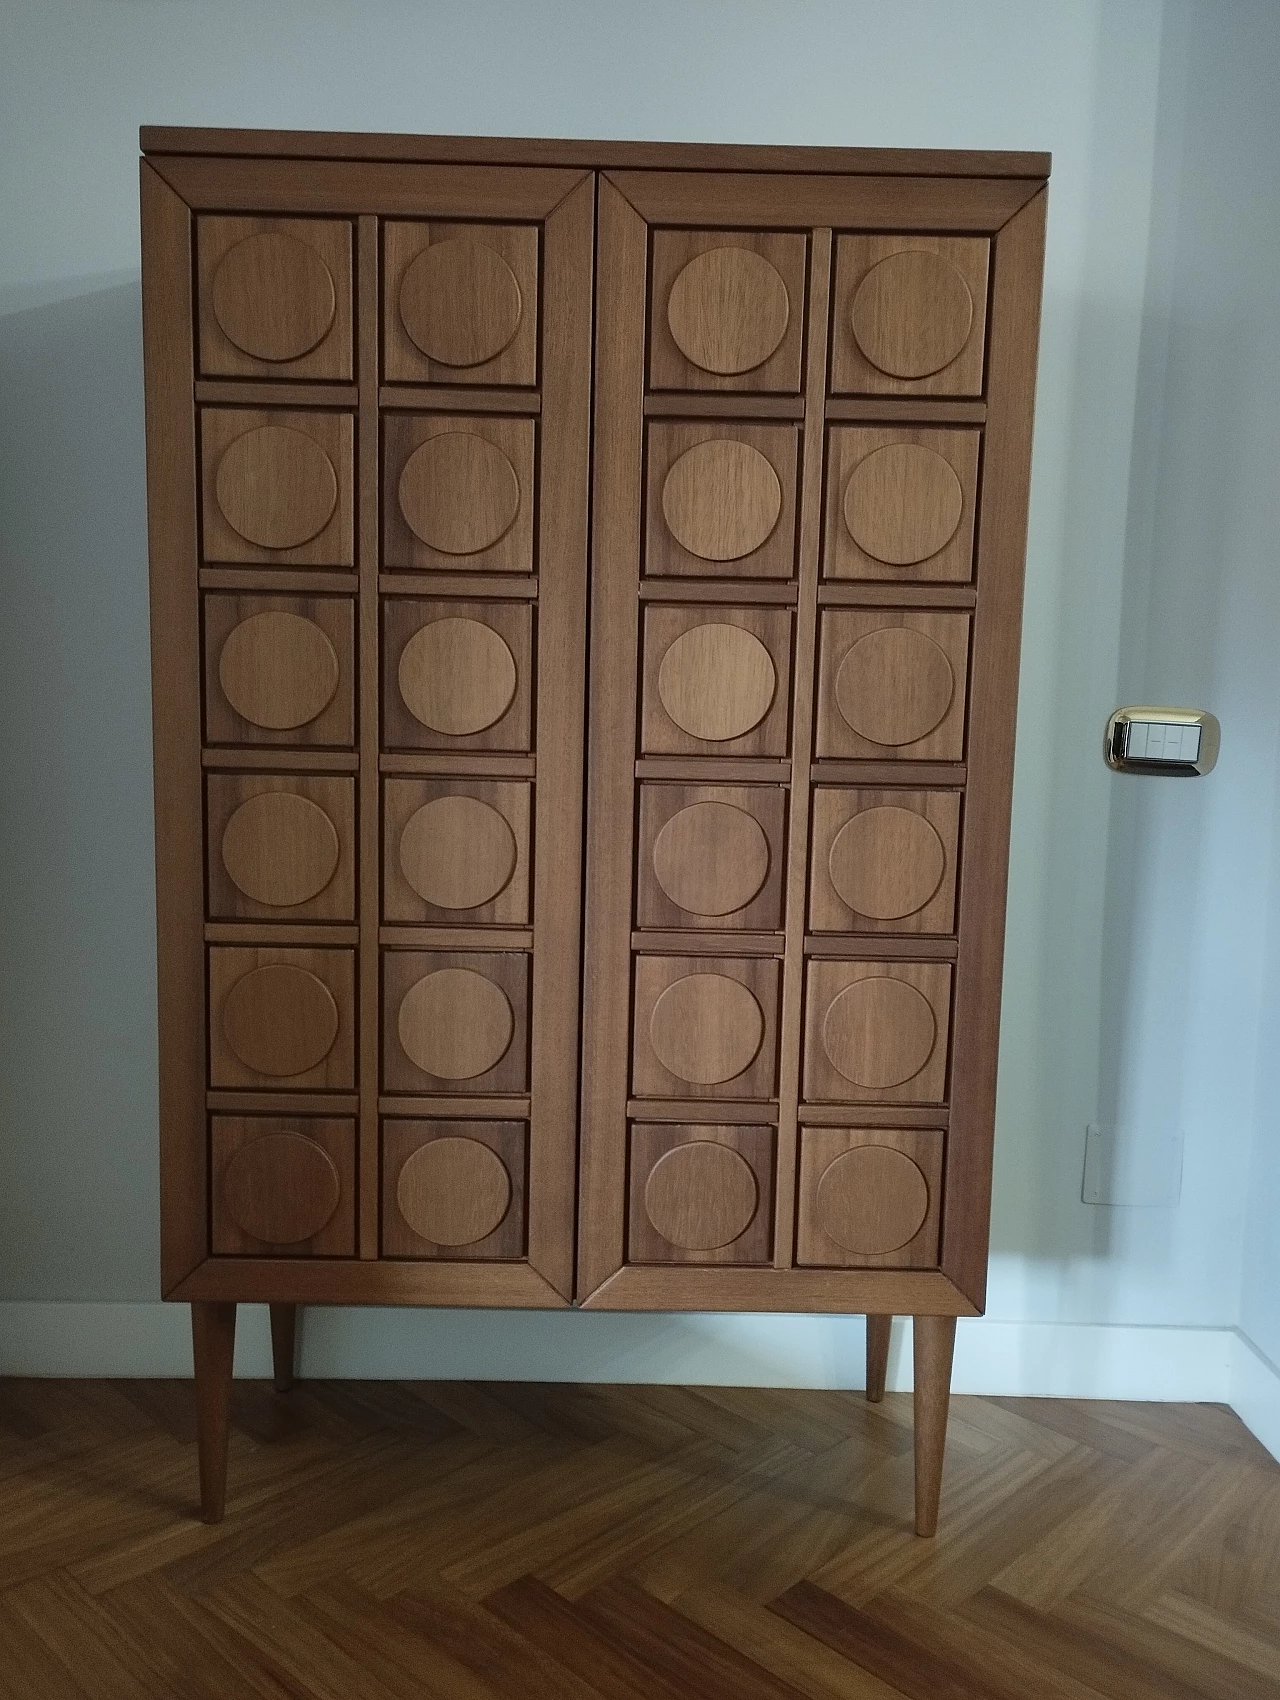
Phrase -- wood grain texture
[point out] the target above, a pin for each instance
(876, 1031)
(869, 1197)
(705, 1027)
(751, 200)
(455, 1021)
(279, 670)
(213, 1339)
(283, 1186)
(1017, 263)
(457, 674)
(457, 850)
(892, 685)
(175, 658)
(710, 856)
(454, 1189)
(726, 309)
(935, 1341)
(370, 676)
(879, 1337)
(276, 487)
(461, 303)
(281, 1016)
(280, 847)
(883, 861)
(910, 315)
(458, 493)
(274, 298)
(901, 504)
(720, 499)
(716, 681)
(700, 1193)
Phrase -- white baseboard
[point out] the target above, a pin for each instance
(1255, 1392)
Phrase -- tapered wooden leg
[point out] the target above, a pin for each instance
(935, 1340)
(878, 1328)
(284, 1334)
(213, 1340)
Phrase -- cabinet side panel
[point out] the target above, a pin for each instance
(175, 641)
(1017, 264)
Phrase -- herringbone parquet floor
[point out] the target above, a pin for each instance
(509, 1542)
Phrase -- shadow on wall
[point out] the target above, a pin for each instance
(78, 1187)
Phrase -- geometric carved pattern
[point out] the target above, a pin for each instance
(456, 850)
(454, 1189)
(280, 1015)
(457, 674)
(280, 849)
(877, 1031)
(716, 680)
(277, 487)
(727, 310)
(869, 1197)
(900, 503)
(883, 861)
(710, 856)
(903, 504)
(892, 684)
(283, 1185)
(455, 1021)
(274, 297)
(720, 499)
(909, 315)
(700, 1194)
(912, 314)
(460, 303)
(280, 843)
(704, 1027)
(278, 670)
(458, 493)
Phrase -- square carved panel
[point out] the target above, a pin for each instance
(460, 303)
(455, 1021)
(700, 1194)
(711, 856)
(281, 1018)
(457, 493)
(456, 852)
(280, 847)
(901, 502)
(720, 500)
(279, 670)
(705, 1027)
(883, 861)
(891, 686)
(283, 1186)
(727, 310)
(717, 681)
(454, 1189)
(910, 315)
(274, 297)
(869, 1198)
(276, 487)
(457, 675)
(876, 1032)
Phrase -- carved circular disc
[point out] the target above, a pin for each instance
(912, 314)
(455, 1024)
(872, 1200)
(457, 676)
(460, 302)
(280, 1020)
(721, 499)
(728, 310)
(457, 852)
(276, 486)
(701, 1196)
(903, 503)
(706, 1028)
(280, 848)
(278, 670)
(887, 863)
(894, 686)
(717, 682)
(273, 296)
(459, 493)
(281, 1188)
(879, 1032)
(454, 1191)
(711, 858)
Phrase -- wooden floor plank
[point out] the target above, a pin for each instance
(504, 1542)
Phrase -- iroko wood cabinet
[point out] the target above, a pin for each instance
(586, 585)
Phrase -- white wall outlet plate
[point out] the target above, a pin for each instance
(1129, 1167)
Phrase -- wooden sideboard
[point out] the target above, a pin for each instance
(586, 592)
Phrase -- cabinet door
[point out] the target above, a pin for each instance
(370, 641)
(812, 431)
